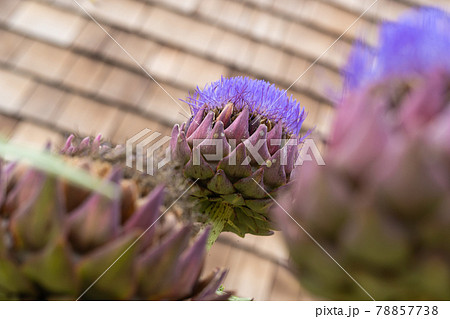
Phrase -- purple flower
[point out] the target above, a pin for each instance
(417, 42)
(256, 127)
(262, 99)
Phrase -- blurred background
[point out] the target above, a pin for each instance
(61, 72)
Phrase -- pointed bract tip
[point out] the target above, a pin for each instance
(225, 114)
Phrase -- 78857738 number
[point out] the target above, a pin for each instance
(407, 310)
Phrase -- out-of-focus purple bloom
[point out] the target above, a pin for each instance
(417, 42)
(381, 205)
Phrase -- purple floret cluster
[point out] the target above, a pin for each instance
(417, 42)
(262, 98)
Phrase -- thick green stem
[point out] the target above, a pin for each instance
(219, 213)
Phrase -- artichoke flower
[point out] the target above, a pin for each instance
(381, 205)
(240, 144)
(416, 43)
(61, 242)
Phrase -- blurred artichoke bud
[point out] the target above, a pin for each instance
(57, 239)
(381, 205)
